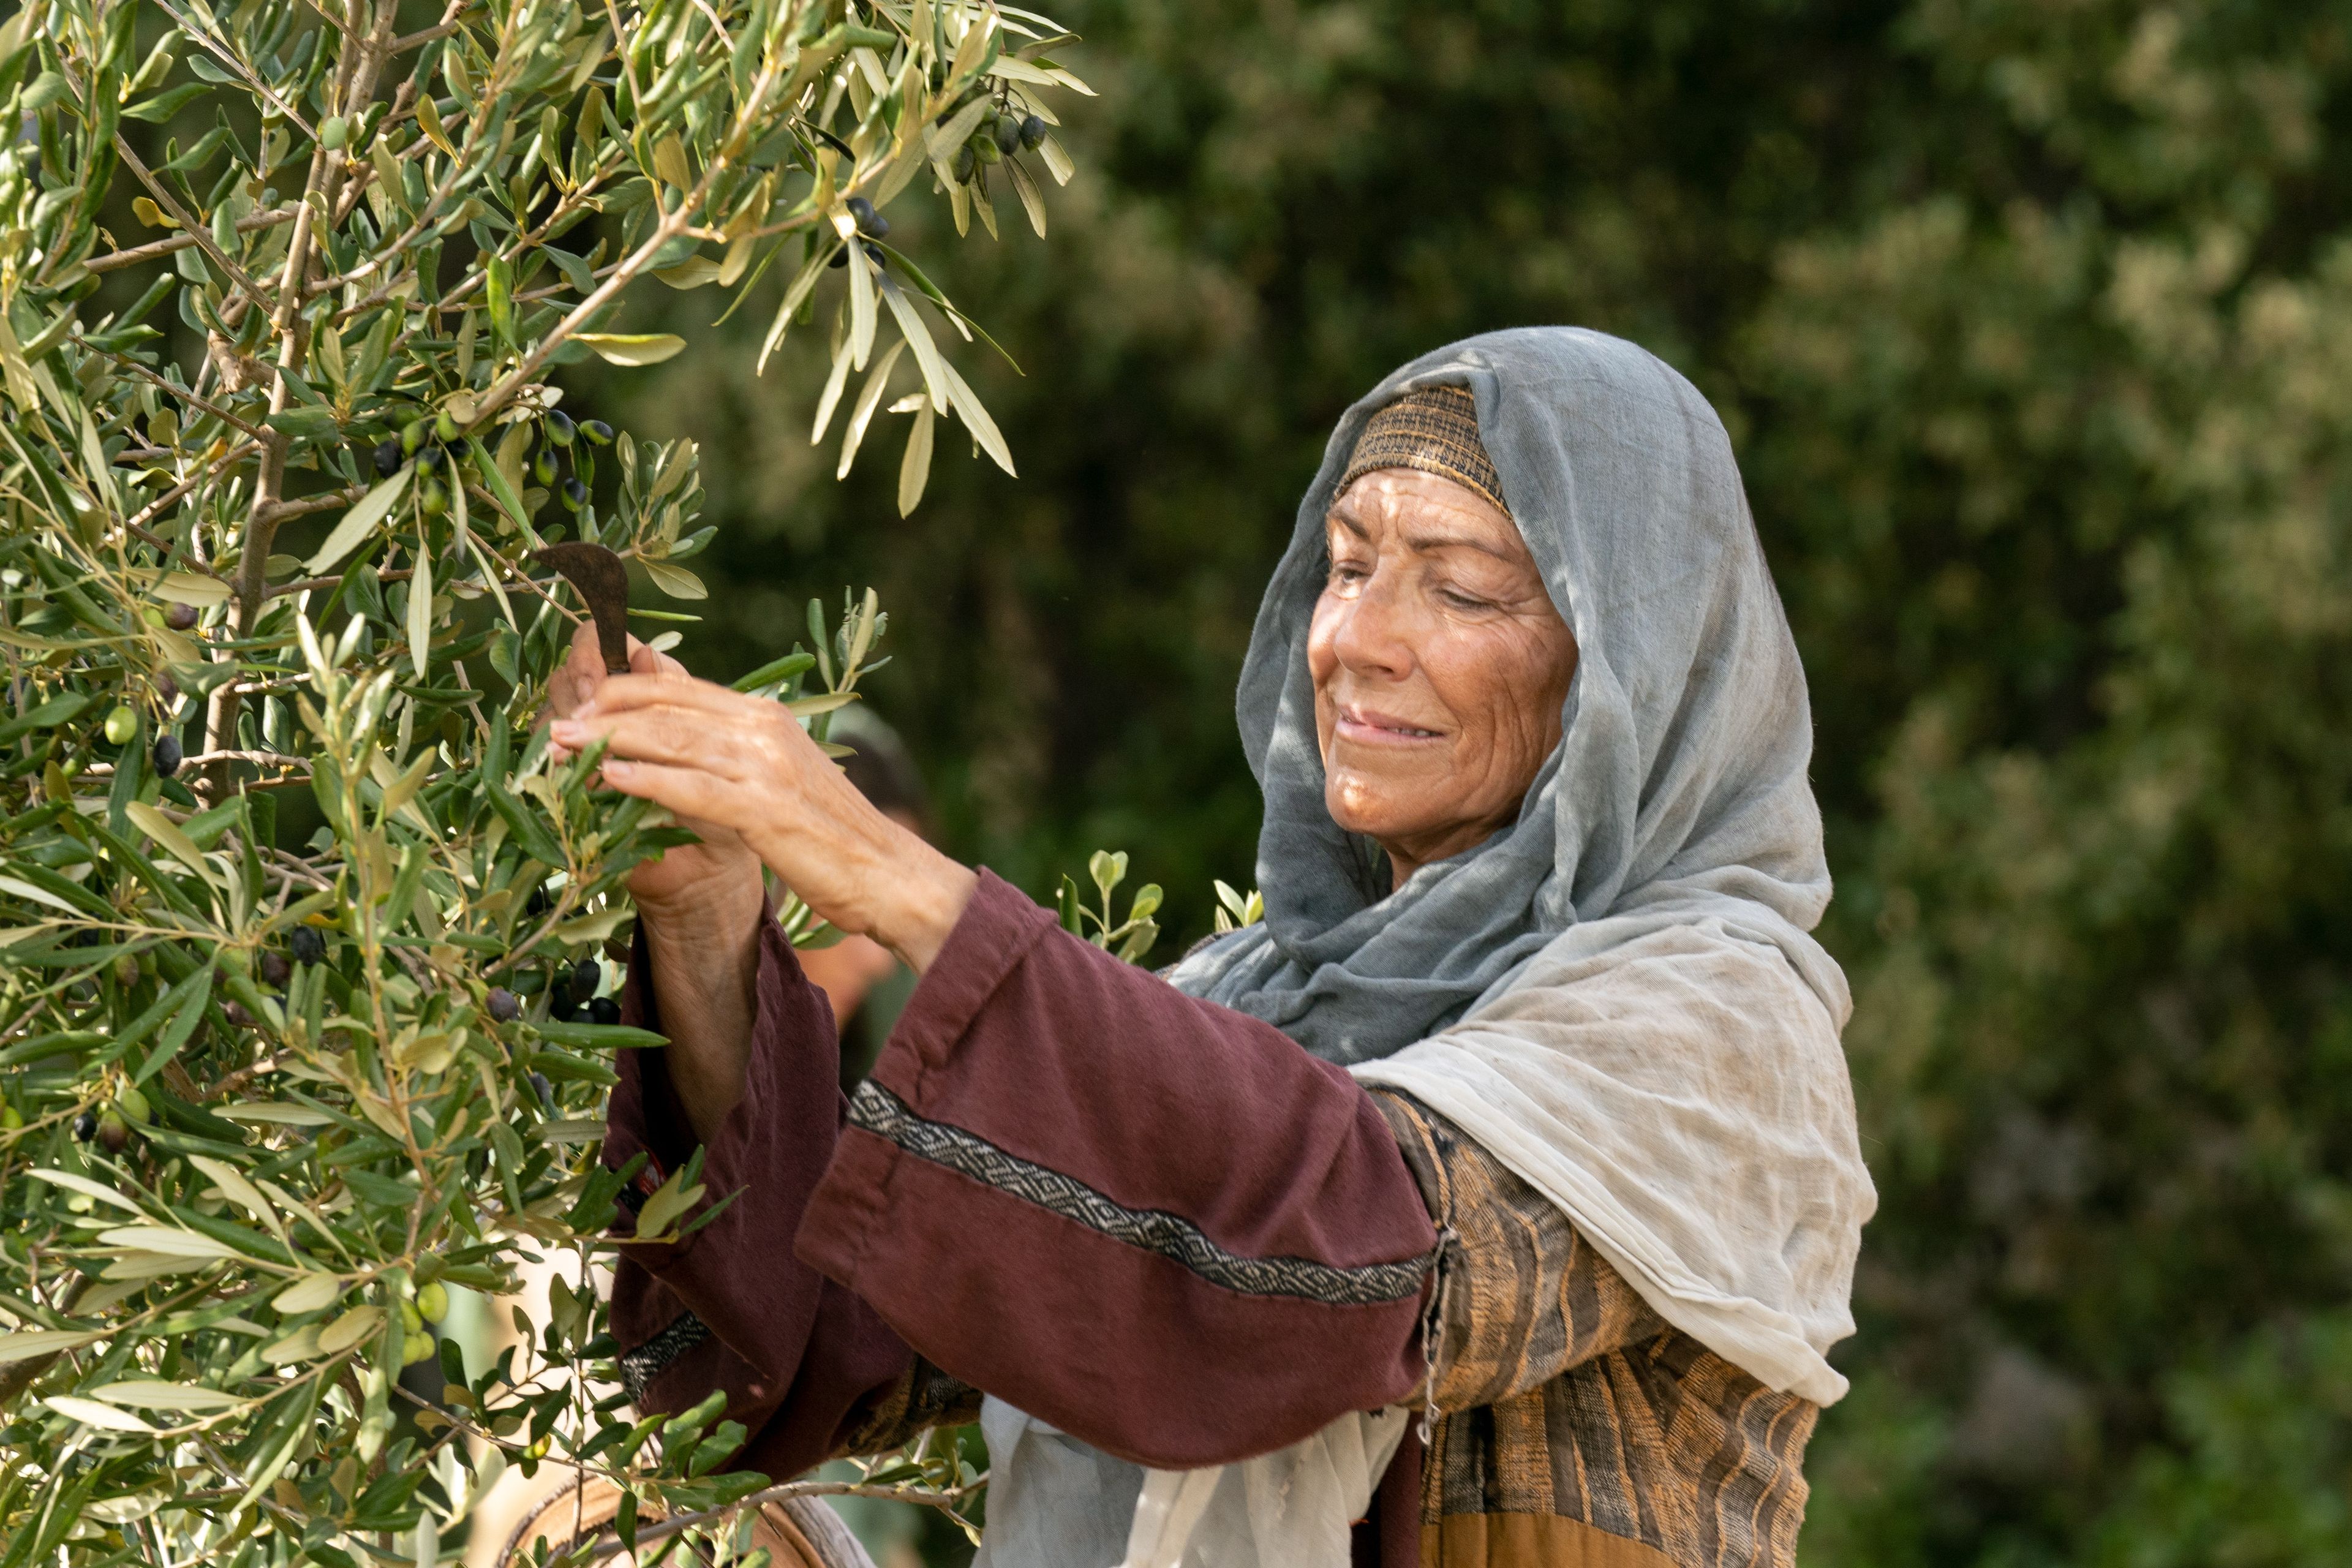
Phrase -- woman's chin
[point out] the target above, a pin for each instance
(1379, 809)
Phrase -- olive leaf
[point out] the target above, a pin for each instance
(633, 348)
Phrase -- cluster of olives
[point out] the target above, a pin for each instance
(121, 728)
(110, 1125)
(1001, 134)
(871, 226)
(306, 944)
(430, 1304)
(434, 445)
(573, 1001)
(579, 988)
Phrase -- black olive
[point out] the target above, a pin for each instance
(575, 494)
(1008, 134)
(597, 430)
(236, 1013)
(840, 257)
(587, 976)
(558, 426)
(870, 224)
(180, 617)
(113, 1131)
(85, 1126)
(431, 458)
(874, 253)
(275, 969)
(166, 756)
(167, 690)
(544, 1089)
(387, 458)
(308, 943)
(966, 162)
(604, 1010)
(503, 1004)
(1032, 131)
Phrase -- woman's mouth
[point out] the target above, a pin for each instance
(1370, 726)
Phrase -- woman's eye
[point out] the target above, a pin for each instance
(1455, 599)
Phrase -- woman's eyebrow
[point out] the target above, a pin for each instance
(1422, 542)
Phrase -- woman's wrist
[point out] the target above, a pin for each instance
(927, 892)
(718, 914)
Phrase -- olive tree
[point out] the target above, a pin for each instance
(303, 1025)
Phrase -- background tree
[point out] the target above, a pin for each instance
(303, 1023)
(2030, 324)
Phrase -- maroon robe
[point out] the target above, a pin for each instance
(1151, 1221)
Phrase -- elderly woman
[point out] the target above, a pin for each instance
(1497, 1197)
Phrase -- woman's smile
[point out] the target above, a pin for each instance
(1362, 725)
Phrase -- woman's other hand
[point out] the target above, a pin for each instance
(744, 764)
(699, 907)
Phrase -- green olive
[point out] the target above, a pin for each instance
(432, 1302)
(121, 725)
(133, 1104)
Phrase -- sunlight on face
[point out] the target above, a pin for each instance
(1440, 665)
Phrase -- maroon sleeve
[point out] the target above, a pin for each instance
(1151, 1221)
(729, 1306)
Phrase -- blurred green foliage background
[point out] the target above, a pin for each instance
(2033, 323)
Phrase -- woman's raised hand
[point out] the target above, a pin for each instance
(744, 765)
(713, 886)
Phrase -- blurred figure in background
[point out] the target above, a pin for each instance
(866, 986)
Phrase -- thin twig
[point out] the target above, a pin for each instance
(259, 759)
(156, 250)
(201, 234)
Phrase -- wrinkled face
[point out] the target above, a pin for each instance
(1438, 663)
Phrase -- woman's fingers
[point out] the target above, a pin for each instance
(675, 688)
(672, 737)
(688, 792)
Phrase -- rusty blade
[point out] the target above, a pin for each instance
(604, 584)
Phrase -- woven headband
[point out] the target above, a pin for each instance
(1434, 430)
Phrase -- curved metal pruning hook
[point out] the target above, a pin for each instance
(603, 583)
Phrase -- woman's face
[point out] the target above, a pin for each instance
(1438, 663)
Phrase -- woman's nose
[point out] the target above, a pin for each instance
(1375, 632)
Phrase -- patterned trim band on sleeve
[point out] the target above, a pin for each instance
(875, 1109)
(640, 1366)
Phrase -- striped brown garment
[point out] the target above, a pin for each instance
(1579, 1429)
(922, 1397)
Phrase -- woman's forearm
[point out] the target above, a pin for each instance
(705, 965)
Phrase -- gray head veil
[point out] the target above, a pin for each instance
(1679, 782)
